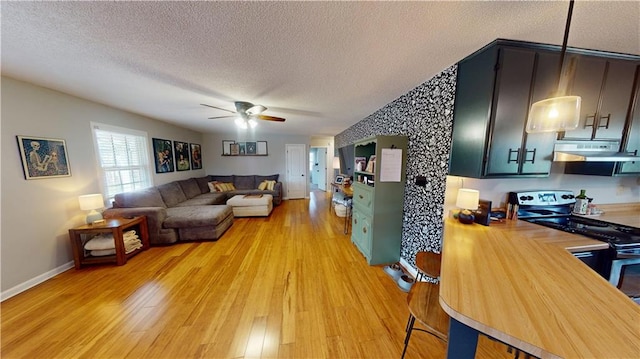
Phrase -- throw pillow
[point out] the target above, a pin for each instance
(101, 242)
(271, 185)
(212, 186)
(262, 186)
(223, 187)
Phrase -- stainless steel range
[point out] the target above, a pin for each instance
(552, 208)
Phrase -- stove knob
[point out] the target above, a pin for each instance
(523, 198)
(529, 198)
(565, 196)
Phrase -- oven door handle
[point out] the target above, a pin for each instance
(582, 254)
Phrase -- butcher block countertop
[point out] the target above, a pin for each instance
(518, 282)
(627, 214)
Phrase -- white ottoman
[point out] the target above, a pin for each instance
(251, 205)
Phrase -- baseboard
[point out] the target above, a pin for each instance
(34, 281)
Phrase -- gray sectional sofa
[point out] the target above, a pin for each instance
(187, 210)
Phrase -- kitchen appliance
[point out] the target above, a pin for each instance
(552, 208)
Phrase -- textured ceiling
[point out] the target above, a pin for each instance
(321, 65)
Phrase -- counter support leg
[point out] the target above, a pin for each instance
(463, 341)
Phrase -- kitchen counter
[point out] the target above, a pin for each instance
(627, 214)
(518, 282)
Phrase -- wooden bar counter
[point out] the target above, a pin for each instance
(518, 282)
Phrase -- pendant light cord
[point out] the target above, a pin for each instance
(564, 41)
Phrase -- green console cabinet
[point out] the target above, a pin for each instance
(378, 197)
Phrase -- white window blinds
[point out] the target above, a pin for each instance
(123, 159)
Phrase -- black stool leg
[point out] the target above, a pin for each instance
(412, 321)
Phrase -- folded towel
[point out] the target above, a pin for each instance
(130, 247)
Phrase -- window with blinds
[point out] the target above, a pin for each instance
(123, 159)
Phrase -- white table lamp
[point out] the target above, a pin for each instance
(91, 202)
(467, 201)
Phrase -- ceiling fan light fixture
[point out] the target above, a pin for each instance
(241, 123)
(256, 110)
(252, 123)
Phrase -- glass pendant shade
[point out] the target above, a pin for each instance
(554, 114)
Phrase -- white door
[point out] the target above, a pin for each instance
(296, 171)
(321, 168)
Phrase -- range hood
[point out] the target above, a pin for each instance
(591, 151)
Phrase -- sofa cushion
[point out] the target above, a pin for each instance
(171, 193)
(196, 216)
(205, 199)
(216, 186)
(245, 182)
(222, 178)
(262, 186)
(149, 197)
(190, 187)
(259, 179)
(203, 183)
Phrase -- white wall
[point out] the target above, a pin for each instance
(603, 190)
(274, 163)
(36, 214)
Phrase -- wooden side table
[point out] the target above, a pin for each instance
(116, 226)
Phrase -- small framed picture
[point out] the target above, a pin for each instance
(235, 149)
(226, 147)
(339, 179)
(251, 148)
(163, 154)
(182, 155)
(196, 156)
(43, 157)
(261, 148)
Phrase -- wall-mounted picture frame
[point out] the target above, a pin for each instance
(261, 148)
(196, 156)
(181, 155)
(226, 147)
(235, 149)
(248, 148)
(163, 155)
(43, 157)
(251, 148)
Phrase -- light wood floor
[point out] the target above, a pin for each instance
(288, 286)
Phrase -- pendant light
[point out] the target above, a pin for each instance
(560, 113)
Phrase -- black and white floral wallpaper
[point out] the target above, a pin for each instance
(425, 116)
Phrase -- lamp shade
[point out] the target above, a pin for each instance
(336, 163)
(467, 198)
(554, 114)
(91, 201)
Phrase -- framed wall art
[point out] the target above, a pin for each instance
(196, 156)
(226, 147)
(181, 155)
(43, 157)
(249, 148)
(163, 155)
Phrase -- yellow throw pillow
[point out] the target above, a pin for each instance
(262, 186)
(224, 186)
(270, 185)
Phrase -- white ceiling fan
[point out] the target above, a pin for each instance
(246, 114)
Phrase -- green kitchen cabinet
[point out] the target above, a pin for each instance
(495, 89)
(378, 197)
(605, 86)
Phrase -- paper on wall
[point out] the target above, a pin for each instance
(390, 165)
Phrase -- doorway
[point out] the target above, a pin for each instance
(296, 158)
(318, 168)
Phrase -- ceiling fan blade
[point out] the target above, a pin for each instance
(217, 108)
(270, 118)
(211, 118)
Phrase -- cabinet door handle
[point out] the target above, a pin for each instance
(511, 152)
(533, 157)
(600, 125)
(364, 229)
(587, 118)
(360, 196)
(355, 220)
